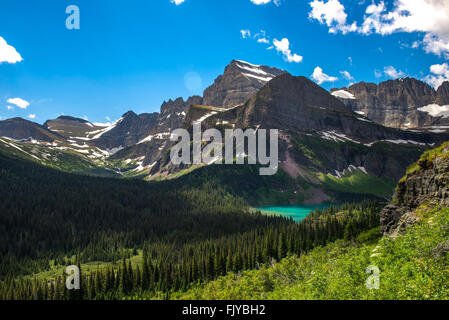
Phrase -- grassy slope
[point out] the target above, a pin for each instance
(412, 267)
(359, 183)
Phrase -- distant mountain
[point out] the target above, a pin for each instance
(68, 126)
(24, 130)
(403, 103)
(126, 131)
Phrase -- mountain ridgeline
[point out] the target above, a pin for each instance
(332, 146)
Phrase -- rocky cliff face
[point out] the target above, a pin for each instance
(240, 81)
(443, 94)
(426, 185)
(395, 103)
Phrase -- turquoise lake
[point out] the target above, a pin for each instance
(297, 213)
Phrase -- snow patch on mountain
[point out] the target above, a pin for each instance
(207, 115)
(436, 111)
(249, 64)
(351, 168)
(103, 131)
(264, 79)
(337, 137)
(399, 142)
(254, 70)
(343, 94)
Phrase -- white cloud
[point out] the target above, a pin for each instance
(108, 118)
(393, 73)
(245, 33)
(332, 13)
(259, 2)
(347, 75)
(430, 17)
(10, 108)
(23, 104)
(320, 77)
(8, 53)
(283, 46)
(177, 2)
(32, 116)
(440, 74)
(378, 73)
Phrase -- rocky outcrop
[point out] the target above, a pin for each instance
(426, 184)
(395, 103)
(239, 82)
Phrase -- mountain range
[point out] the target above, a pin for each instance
(333, 145)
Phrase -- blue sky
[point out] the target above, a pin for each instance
(133, 55)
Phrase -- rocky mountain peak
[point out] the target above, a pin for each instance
(130, 114)
(70, 118)
(289, 102)
(239, 82)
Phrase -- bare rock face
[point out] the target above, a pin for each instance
(428, 185)
(395, 103)
(443, 94)
(240, 81)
